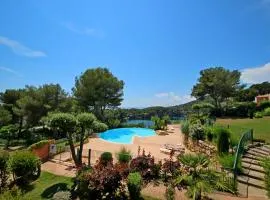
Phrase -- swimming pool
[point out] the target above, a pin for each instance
(125, 135)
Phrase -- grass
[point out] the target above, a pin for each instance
(46, 186)
(261, 126)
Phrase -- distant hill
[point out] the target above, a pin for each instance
(176, 111)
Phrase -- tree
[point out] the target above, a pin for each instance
(9, 99)
(97, 89)
(8, 132)
(199, 179)
(217, 83)
(87, 121)
(70, 125)
(5, 116)
(67, 123)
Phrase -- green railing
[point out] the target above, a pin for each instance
(247, 136)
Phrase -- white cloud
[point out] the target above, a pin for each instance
(19, 48)
(84, 31)
(5, 69)
(160, 95)
(256, 75)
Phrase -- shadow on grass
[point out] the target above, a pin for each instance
(50, 191)
(27, 188)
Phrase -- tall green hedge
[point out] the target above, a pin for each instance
(223, 142)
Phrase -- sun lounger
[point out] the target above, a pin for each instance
(164, 150)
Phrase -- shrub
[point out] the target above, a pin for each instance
(4, 157)
(124, 155)
(62, 195)
(185, 131)
(38, 144)
(13, 194)
(170, 168)
(25, 166)
(185, 127)
(134, 185)
(263, 105)
(227, 162)
(258, 115)
(146, 166)
(99, 184)
(197, 131)
(106, 158)
(266, 166)
(266, 112)
(223, 136)
(170, 192)
(209, 133)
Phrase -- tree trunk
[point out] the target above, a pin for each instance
(72, 149)
(79, 156)
(20, 127)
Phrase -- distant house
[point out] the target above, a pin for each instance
(261, 98)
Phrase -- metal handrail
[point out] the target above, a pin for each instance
(247, 136)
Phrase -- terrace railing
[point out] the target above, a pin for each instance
(246, 137)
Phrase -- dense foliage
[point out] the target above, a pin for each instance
(106, 158)
(198, 178)
(218, 83)
(97, 89)
(25, 166)
(146, 166)
(4, 172)
(134, 184)
(83, 122)
(223, 142)
(266, 166)
(124, 155)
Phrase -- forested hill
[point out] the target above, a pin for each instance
(146, 113)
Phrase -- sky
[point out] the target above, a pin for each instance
(156, 47)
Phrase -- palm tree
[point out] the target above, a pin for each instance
(198, 178)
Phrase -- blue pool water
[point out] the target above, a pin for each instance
(125, 135)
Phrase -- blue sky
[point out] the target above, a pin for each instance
(157, 47)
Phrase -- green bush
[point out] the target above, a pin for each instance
(263, 105)
(38, 144)
(62, 195)
(209, 133)
(185, 127)
(258, 115)
(266, 112)
(223, 136)
(4, 157)
(25, 166)
(124, 155)
(197, 131)
(13, 194)
(106, 157)
(227, 162)
(134, 185)
(170, 192)
(266, 165)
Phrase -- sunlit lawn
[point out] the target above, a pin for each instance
(46, 186)
(261, 126)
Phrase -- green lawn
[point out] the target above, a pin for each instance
(46, 186)
(260, 126)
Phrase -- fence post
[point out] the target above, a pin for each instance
(60, 152)
(89, 157)
(251, 132)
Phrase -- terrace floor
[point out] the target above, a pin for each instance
(151, 144)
